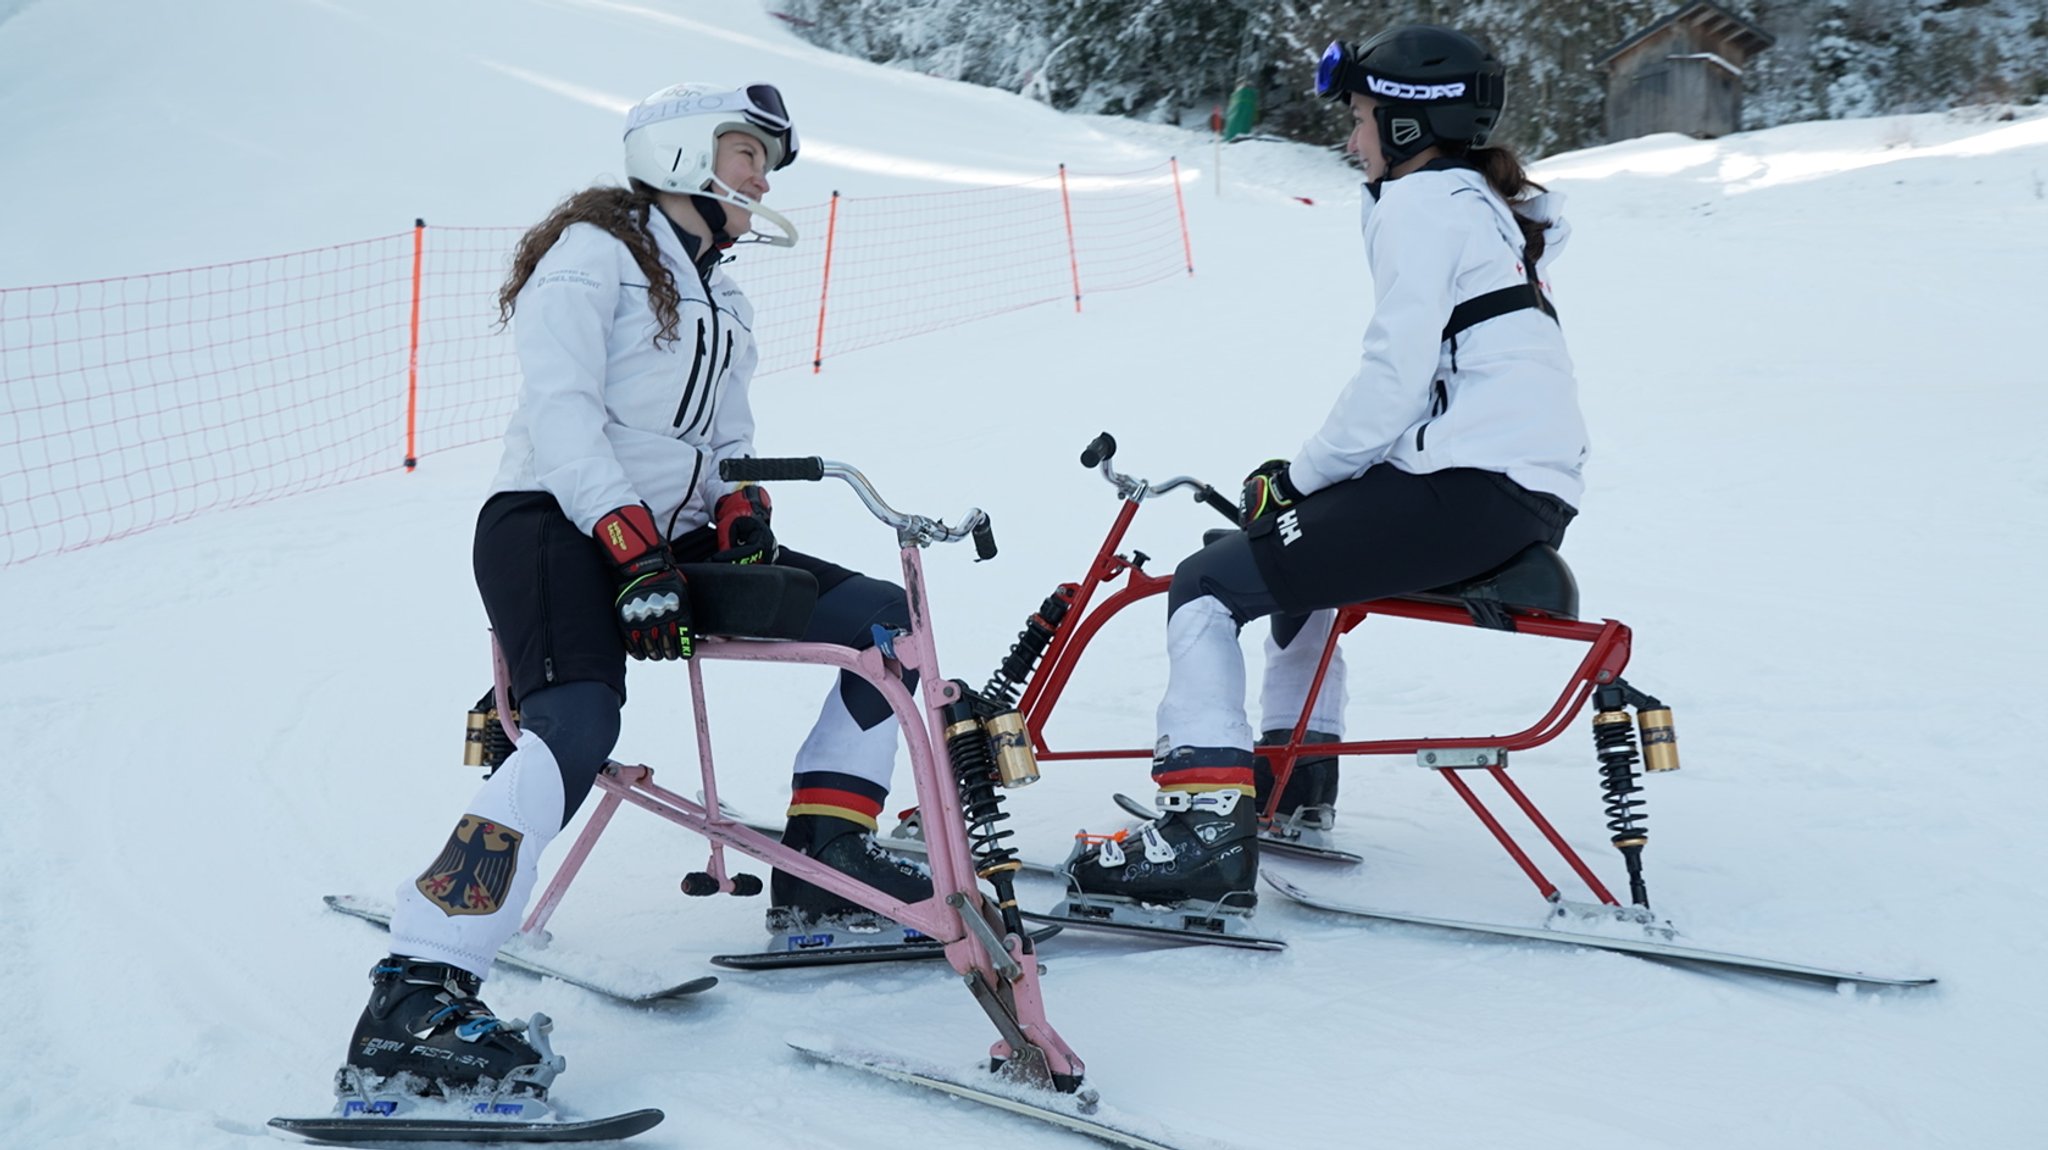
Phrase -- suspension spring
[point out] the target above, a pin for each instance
(1009, 679)
(981, 806)
(1614, 743)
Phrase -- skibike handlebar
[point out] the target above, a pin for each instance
(911, 530)
(1102, 449)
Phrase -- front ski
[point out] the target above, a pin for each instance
(797, 958)
(526, 964)
(1080, 1112)
(1159, 931)
(346, 1131)
(1641, 947)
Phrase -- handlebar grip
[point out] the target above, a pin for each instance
(984, 540)
(1099, 448)
(770, 470)
(1224, 507)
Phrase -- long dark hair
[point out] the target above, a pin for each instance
(623, 214)
(1503, 170)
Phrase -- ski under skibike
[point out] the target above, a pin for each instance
(964, 750)
(1628, 930)
(1533, 594)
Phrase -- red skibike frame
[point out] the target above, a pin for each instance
(1064, 642)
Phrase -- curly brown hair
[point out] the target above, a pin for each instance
(623, 214)
(1503, 170)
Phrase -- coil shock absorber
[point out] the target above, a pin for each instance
(977, 772)
(1009, 679)
(1614, 742)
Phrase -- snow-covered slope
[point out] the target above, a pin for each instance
(1808, 359)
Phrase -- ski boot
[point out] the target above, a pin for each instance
(426, 1037)
(1192, 870)
(802, 916)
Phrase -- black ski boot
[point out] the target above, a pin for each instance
(425, 1021)
(1201, 847)
(1309, 800)
(799, 908)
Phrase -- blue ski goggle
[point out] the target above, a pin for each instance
(1335, 72)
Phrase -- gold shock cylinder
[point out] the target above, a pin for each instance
(483, 739)
(1660, 739)
(473, 737)
(1016, 762)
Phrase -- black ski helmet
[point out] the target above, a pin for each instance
(1433, 85)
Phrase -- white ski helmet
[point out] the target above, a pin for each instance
(671, 135)
(672, 140)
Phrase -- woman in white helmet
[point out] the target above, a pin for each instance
(635, 351)
(1457, 445)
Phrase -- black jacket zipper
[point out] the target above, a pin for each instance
(690, 388)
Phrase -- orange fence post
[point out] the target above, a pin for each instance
(412, 356)
(1180, 204)
(1073, 261)
(825, 284)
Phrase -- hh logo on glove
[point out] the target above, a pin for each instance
(653, 604)
(742, 519)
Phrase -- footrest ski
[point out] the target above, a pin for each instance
(1080, 1112)
(526, 964)
(1643, 947)
(1157, 931)
(345, 1131)
(1302, 849)
(847, 955)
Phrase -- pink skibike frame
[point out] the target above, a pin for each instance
(1608, 643)
(1001, 968)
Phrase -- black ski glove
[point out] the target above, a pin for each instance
(1266, 492)
(653, 604)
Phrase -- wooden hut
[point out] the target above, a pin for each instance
(1681, 74)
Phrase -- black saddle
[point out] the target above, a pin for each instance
(749, 601)
(1535, 582)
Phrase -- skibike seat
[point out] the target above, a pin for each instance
(749, 601)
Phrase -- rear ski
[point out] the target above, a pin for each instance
(1080, 1112)
(525, 963)
(1643, 947)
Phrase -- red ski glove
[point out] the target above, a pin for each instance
(742, 519)
(653, 604)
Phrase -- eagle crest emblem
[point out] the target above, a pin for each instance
(474, 871)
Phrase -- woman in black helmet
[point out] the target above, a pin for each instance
(1457, 444)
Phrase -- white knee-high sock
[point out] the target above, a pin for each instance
(470, 899)
(1204, 703)
(836, 743)
(1289, 672)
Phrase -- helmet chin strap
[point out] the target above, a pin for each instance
(718, 190)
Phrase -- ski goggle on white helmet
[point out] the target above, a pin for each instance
(672, 141)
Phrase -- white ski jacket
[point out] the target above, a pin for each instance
(606, 418)
(1504, 400)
